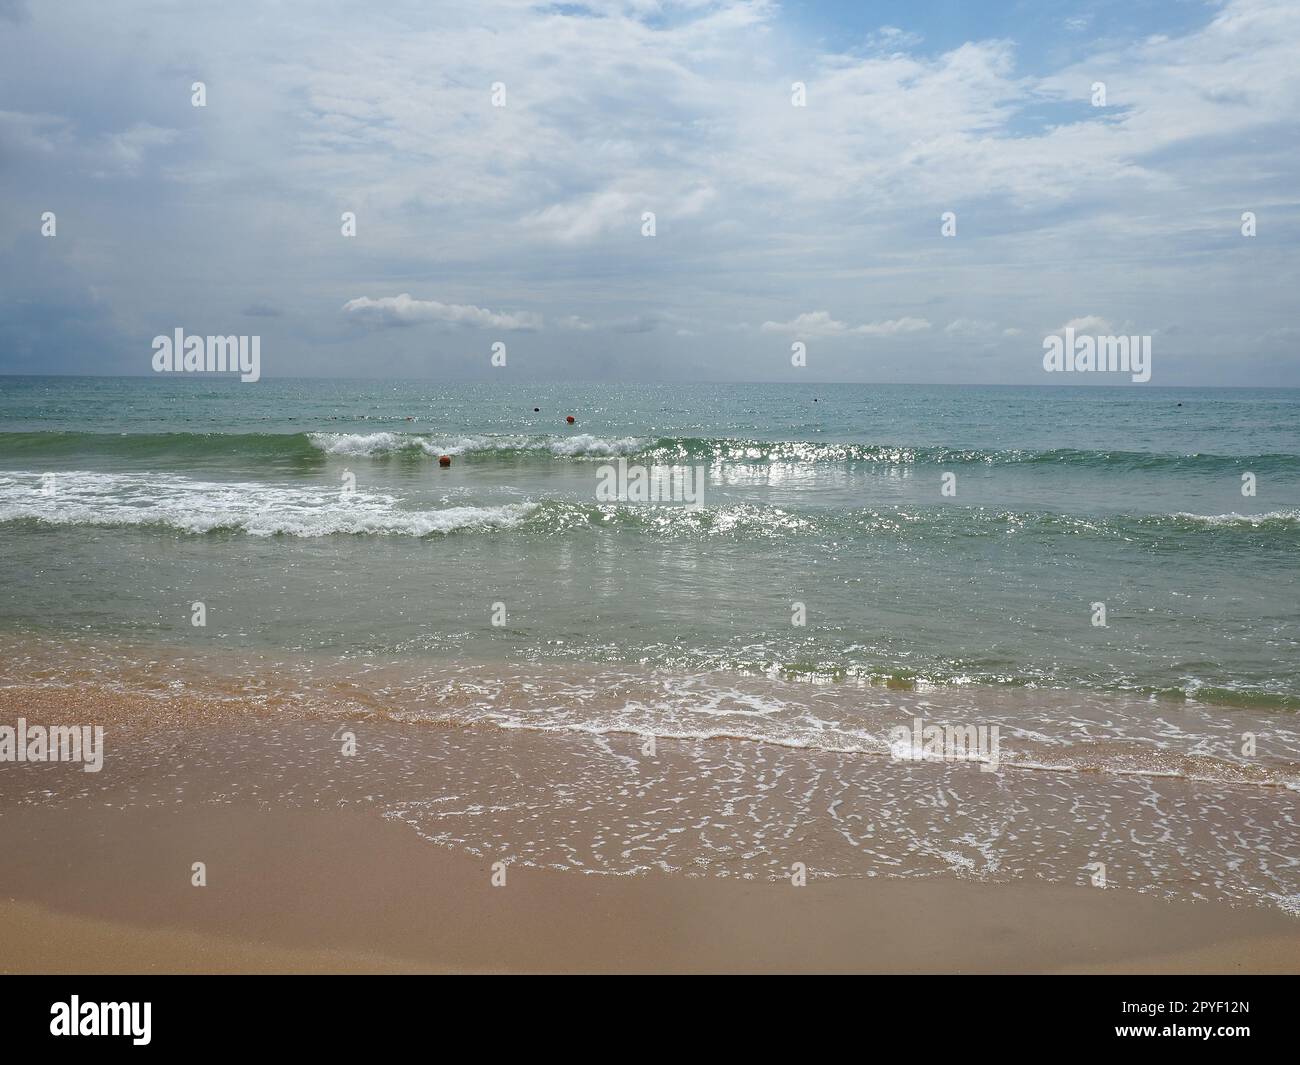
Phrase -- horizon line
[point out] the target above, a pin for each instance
(207, 378)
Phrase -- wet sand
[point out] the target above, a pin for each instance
(321, 863)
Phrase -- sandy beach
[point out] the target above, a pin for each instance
(341, 891)
(308, 871)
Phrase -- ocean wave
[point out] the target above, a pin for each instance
(204, 447)
(373, 444)
(1272, 517)
(915, 523)
(741, 451)
(358, 444)
(304, 447)
(262, 508)
(257, 509)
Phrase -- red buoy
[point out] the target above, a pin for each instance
(569, 419)
(444, 460)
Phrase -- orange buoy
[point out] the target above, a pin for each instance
(444, 460)
(569, 419)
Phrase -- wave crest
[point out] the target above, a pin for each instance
(668, 450)
(257, 509)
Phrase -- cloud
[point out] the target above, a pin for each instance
(573, 322)
(580, 220)
(125, 151)
(620, 107)
(971, 328)
(26, 133)
(615, 211)
(821, 324)
(650, 321)
(1091, 324)
(403, 310)
(637, 323)
(892, 39)
(51, 309)
(893, 327)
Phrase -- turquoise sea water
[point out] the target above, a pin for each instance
(124, 500)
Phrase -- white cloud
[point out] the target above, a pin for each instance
(403, 310)
(572, 321)
(972, 328)
(891, 38)
(893, 327)
(821, 324)
(1091, 324)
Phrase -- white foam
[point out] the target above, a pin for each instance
(579, 445)
(258, 509)
(586, 444)
(1241, 519)
(367, 443)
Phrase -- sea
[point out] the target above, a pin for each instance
(1107, 576)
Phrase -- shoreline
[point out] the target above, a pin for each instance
(616, 860)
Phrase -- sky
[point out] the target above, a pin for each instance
(500, 158)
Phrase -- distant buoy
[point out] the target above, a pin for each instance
(569, 419)
(536, 409)
(444, 460)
